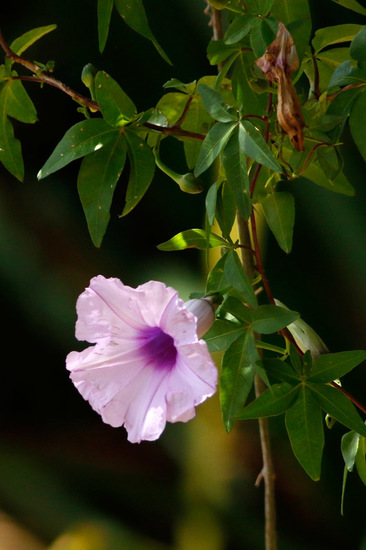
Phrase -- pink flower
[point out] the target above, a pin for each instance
(147, 366)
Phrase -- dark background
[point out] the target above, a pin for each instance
(66, 477)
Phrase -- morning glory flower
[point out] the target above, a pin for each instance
(147, 365)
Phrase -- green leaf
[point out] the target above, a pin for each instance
(10, 148)
(239, 28)
(104, 17)
(116, 107)
(216, 280)
(23, 42)
(351, 5)
(361, 460)
(80, 140)
(304, 424)
(274, 401)
(142, 168)
(250, 101)
(281, 371)
(346, 74)
(334, 35)
(192, 238)
(236, 171)
(358, 45)
(279, 211)
(17, 102)
(337, 405)
(214, 104)
(237, 309)
(237, 376)
(222, 334)
(357, 125)
(340, 184)
(196, 120)
(237, 277)
(254, 145)
(133, 13)
(225, 209)
(268, 319)
(262, 34)
(331, 366)
(349, 448)
(213, 144)
(97, 179)
(210, 203)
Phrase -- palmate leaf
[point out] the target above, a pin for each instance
(304, 424)
(279, 211)
(235, 166)
(215, 105)
(274, 401)
(222, 334)
(338, 406)
(116, 107)
(80, 140)
(254, 145)
(17, 102)
(133, 13)
(142, 168)
(216, 280)
(97, 179)
(237, 376)
(331, 366)
(213, 144)
(334, 35)
(192, 238)
(239, 28)
(237, 277)
(268, 319)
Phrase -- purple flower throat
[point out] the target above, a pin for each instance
(158, 348)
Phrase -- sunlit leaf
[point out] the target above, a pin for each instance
(304, 423)
(237, 376)
(104, 17)
(80, 140)
(23, 42)
(97, 179)
(352, 5)
(142, 168)
(334, 35)
(192, 238)
(133, 13)
(279, 211)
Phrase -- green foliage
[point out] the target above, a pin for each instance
(230, 132)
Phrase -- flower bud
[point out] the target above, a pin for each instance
(204, 311)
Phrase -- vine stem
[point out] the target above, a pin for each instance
(267, 473)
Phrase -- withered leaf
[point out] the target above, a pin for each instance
(277, 63)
